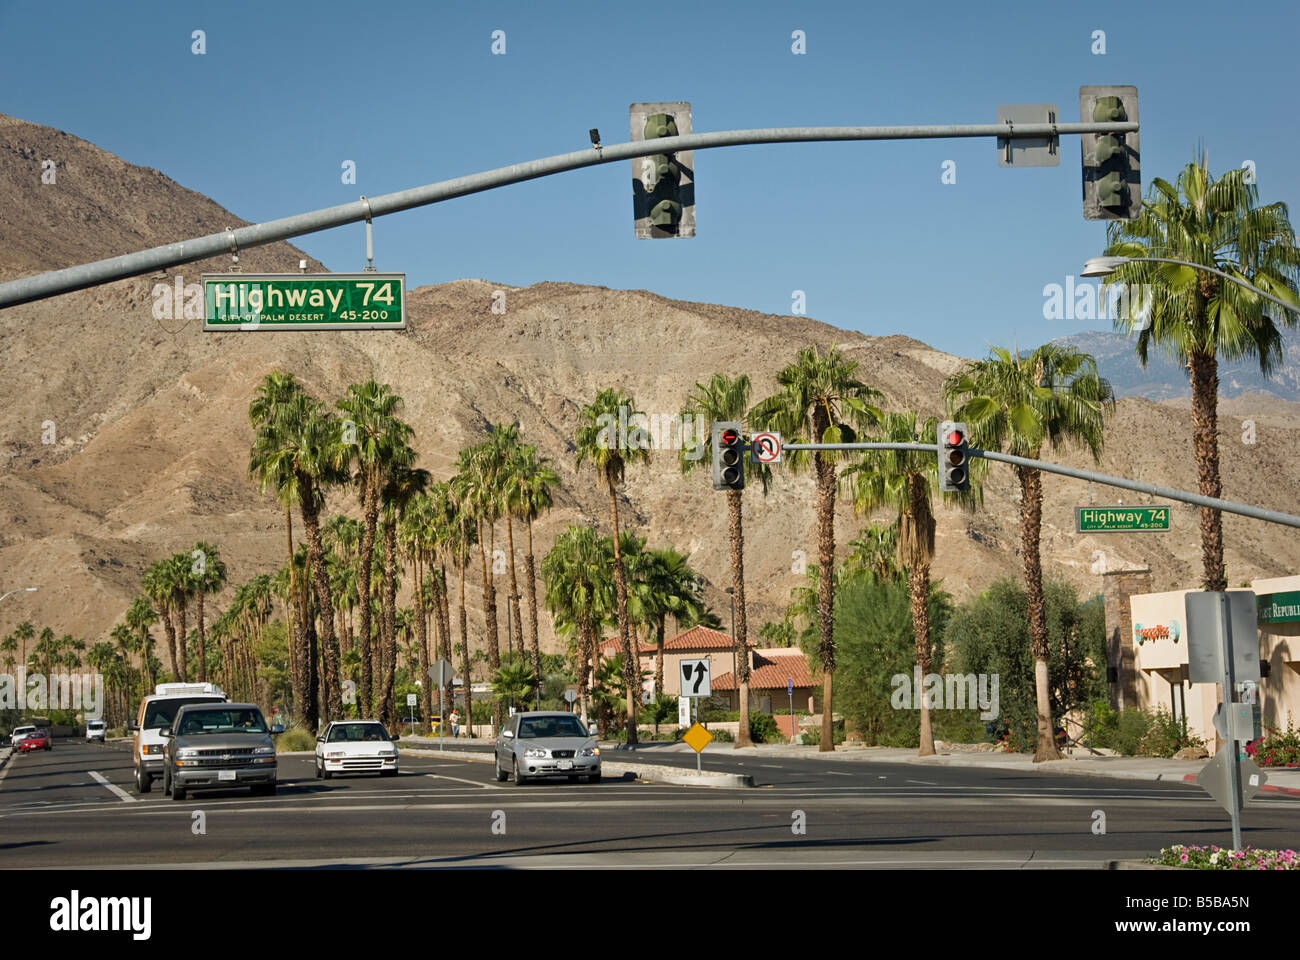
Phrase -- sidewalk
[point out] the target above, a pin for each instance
(1279, 779)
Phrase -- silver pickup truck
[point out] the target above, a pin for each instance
(215, 746)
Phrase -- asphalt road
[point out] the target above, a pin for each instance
(76, 807)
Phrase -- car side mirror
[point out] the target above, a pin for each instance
(277, 728)
(507, 733)
(134, 727)
(165, 732)
(320, 739)
(397, 736)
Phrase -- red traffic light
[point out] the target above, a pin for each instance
(955, 437)
(729, 437)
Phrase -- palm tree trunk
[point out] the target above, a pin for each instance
(585, 646)
(514, 586)
(444, 617)
(631, 665)
(297, 656)
(530, 572)
(1031, 519)
(181, 638)
(421, 621)
(316, 562)
(386, 706)
(464, 644)
(919, 584)
(370, 500)
(826, 591)
(203, 649)
(739, 645)
(1204, 372)
(490, 625)
(165, 610)
(659, 653)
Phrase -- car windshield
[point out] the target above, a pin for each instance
(160, 713)
(195, 722)
(357, 732)
(533, 728)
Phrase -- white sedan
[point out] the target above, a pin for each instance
(355, 746)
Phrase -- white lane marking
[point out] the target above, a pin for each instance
(927, 783)
(118, 791)
(836, 773)
(771, 766)
(485, 786)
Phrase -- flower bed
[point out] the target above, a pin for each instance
(1219, 858)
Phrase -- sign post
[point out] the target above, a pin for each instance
(696, 685)
(1223, 647)
(411, 700)
(794, 727)
(442, 673)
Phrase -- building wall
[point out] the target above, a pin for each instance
(1117, 587)
(1280, 649)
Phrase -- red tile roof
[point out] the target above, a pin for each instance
(701, 638)
(770, 673)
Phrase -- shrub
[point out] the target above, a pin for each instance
(295, 739)
(1131, 726)
(1275, 748)
(813, 735)
(1165, 736)
(1216, 858)
(723, 736)
(763, 729)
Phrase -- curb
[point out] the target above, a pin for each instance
(1289, 791)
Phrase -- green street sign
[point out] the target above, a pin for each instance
(1279, 607)
(1120, 519)
(304, 301)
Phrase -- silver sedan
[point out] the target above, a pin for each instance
(543, 744)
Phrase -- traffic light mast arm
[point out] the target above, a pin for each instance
(1166, 493)
(54, 282)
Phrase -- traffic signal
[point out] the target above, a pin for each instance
(728, 456)
(663, 184)
(1112, 182)
(954, 463)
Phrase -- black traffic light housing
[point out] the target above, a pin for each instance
(728, 456)
(954, 460)
(1112, 180)
(663, 184)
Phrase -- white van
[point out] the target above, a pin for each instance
(95, 730)
(157, 711)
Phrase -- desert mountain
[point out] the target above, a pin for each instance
(126, 437)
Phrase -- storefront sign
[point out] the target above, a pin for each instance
(1160, 631)
(1279, 607)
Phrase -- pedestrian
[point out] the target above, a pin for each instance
(455, 723)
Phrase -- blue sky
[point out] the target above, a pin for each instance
(287, 91)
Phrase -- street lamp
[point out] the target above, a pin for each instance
(1105, 266)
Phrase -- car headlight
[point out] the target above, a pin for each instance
(186, 754)
(386, 753)
(590, 752)
(334, 755)
(151, 748)
(536, 753)
(264, 750)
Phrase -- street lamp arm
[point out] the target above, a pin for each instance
(1104, 266)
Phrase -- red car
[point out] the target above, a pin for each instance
(40, 740)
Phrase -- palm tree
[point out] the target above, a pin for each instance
(307, 441)
(157, 586)
(382, 441)
(403, 484)
(873, 551)
(506, 447)
(530, 489)
(277, 397)
(672, 588)
(1197, 317)
(905, 481)
(209, 572)
(575, 572)
(181, 576)
(513, 682)
(459, 534)
(126, 642)
(24, 632)
(139, 617)
(1052, 395)
(726, 399)
(610, 449)
(417, 533)
(820, 401)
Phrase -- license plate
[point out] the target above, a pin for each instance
(225, 774)
(566, 764)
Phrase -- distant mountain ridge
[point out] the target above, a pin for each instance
(1164, 379)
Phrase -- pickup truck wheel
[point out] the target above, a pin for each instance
(143, 782)
(178, 792)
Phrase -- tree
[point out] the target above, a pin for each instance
(158, 588)
(530, 491)
(1197, 317)
(905, 482)
(403, 485)
(476, 484)
(377, 440)
(140, 616)
(603, 440)
(672, 588)
(513, 682)
(820, 400)
(727, 399)
(1051, 395)
(209, 576)
(579, 597)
